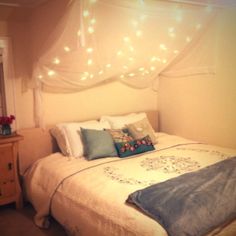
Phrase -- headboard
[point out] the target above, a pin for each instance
(38, 142)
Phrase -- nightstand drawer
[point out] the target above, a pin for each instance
(6, 162)
(7, 189)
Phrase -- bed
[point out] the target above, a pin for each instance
(90, 197)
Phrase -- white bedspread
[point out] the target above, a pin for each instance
(88, 197)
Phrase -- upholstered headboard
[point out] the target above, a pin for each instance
(38, 143)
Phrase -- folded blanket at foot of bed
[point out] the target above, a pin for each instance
(194, 203)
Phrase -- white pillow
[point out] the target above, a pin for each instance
(119, 122)
(73, 138)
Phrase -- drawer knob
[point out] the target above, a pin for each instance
(9, 166)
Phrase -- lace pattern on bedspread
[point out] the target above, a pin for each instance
(170, 164)
(113, 173)
(219, 154)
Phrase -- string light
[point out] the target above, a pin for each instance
(56, 61)
(85, 13)
(139, 33)
(89, 50)
(108, 65)
(51, 73)
(66, 48)
(90, 62)
(90, 29)
(93, 21)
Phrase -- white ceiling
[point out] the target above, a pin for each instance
(34, 3)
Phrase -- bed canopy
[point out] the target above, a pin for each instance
(133, 41)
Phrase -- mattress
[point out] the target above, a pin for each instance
(89, 197)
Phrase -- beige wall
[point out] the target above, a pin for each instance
(204, 107)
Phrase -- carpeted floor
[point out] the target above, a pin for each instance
(20, 223)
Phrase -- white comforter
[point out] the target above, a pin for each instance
(88, 197)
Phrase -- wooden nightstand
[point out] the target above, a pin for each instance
(10, 190)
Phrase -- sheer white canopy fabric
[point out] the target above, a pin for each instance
(132, 41)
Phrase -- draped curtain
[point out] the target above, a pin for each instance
(131, 41)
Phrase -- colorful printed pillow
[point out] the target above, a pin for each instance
(120, 135)
(133, 147)
(141, 129)
(97, 144)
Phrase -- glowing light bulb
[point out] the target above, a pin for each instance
(119, 53)
(40, 76)
(51, 73)
(66, 48)
(154, 58)
(131, 74)
(163, 47)
(171, 29)
(108, 65)
(139, 33)
(90, 29)
(100, 72)
(125, 67)
(85, 13)
(56, 61)
(131, 49)
(79, 33)
(131, 59)
(188, 39)
(176, 51)
(91, 76)
(93, 21)
(89, 50)
(122, 76)
(126, 39)
(164, 61)
(90, 62)
(141, 69)
(152, 68)
(83, 78)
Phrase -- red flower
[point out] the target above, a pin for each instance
(6, 120)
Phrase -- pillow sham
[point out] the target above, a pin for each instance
(119, 122)
(62, 143)
(97, 144)
(73, 136)
(125, 149)
(141, 129)
(120, 135)
(68, 138)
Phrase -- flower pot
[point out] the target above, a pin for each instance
(6, 129)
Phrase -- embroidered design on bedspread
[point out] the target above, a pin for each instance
(221, 155)
(112, 173)
(170, 164)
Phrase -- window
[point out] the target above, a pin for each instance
(2, 90)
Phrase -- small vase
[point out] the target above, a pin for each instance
(6, 129)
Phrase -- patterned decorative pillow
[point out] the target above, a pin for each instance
(141, 129)
(133, 147)
(120, 135)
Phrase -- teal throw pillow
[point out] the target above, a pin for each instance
(133, 147)
(97, 144)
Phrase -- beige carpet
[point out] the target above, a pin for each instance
(20, 223)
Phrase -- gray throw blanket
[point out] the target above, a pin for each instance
(192, 204)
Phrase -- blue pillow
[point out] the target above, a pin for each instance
(133, 147)
(97, 144)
